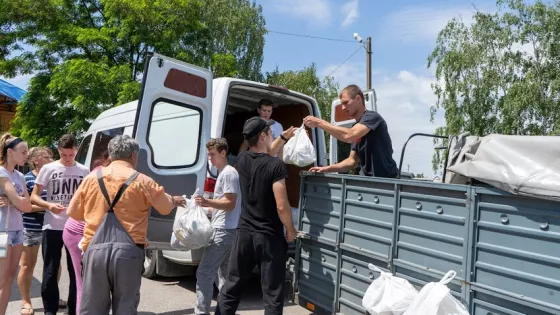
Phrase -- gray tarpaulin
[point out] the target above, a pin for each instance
(522, 165)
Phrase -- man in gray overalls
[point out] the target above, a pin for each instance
(115, 204)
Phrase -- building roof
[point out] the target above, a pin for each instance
(10, 92)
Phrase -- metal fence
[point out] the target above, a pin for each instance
(504, 248)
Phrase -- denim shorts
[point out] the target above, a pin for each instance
(32, 238)
(15, 237)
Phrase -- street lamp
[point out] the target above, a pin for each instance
(367, 47)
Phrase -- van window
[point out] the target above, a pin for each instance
(83, 150)
(174, 134)
(101, 142)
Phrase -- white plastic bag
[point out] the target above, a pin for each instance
(435, 299)
(388, 295)
(191, 228)
(299, 149)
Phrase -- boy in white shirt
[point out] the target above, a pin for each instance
(265, 111)
(61, 179)
(225, 209)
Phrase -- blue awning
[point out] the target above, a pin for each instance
(11, 91)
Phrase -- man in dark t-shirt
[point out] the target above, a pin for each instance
(260, 239)
(372, 149)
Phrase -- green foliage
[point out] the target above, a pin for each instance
(235, 28)
(307, 82)
(88, 55)
(501, 74)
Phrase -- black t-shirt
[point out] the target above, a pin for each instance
(375, 149)
(257, 173)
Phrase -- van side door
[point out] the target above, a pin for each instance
(172, 126)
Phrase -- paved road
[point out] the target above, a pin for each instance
(169, 296)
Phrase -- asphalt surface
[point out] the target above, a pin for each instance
(164, 296)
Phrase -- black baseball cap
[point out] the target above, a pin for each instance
(254, 125)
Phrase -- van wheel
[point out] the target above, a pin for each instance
(150, 260)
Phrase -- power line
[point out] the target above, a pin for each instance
(314, 37)
(352, 55)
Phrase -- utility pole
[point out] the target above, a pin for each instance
(367, 47)
(368, 62)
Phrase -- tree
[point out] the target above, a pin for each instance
(234, 30)
(307, 82)
(88, 55)
(501, 74)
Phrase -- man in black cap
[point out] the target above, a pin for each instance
(260, 239)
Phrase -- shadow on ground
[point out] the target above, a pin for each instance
(250, 301)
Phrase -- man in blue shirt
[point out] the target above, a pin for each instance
(372, 149)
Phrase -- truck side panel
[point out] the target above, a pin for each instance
(504, 248)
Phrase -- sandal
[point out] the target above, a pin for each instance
(62, 303)
(27, 310)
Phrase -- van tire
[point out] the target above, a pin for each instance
(150, 263)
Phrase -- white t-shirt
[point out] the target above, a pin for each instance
(16, 220)
(227, 183)
(277, 130)
(61, 183)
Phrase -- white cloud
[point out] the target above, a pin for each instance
(418, 24)
(404, 100)
(315, 12)
(350, 10)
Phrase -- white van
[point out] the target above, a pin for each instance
(180, 108)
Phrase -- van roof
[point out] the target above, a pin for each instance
(124, 115)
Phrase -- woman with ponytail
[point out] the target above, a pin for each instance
(32, 229)
(14, 200)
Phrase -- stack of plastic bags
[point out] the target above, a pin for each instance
(390, 295)
(191, 228)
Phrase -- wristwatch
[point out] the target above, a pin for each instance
(284, 138)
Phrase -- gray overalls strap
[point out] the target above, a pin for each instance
(113, 263)
(111, 232)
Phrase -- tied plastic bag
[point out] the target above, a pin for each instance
(191, 228)
(435, 299)
(299, 149)
(388, 294)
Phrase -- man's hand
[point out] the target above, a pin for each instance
(56, 208)
(291, 234)
(312, 121)
(201, 201)
(319, 169)
(178, 201)
(4, 201)
(289, 133)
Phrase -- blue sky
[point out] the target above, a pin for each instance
(403, 34)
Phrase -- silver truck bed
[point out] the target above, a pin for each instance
(505, 248)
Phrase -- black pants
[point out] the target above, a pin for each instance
(250, 249)
(52, 252)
